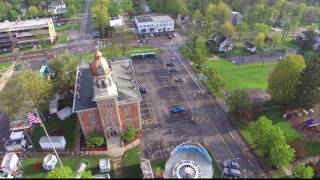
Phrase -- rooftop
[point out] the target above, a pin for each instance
(122, 75)
(25, 24)
(149, 18)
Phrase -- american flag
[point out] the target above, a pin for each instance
(33, 118)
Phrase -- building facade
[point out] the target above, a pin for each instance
(153, 24)
(107, 99)
(26, 33)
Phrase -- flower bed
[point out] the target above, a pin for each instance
(139, 135)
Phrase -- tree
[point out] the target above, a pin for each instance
(259, 40)
(199, 52)
(307, 90)
(126, 5)
(12, 15)
(284, 77)
(216, 82)
(303, 172)
(277, 40)
(130, 134)
(72, 9)
(65, 66)
(242, 28)
(281, 155)
(86, 175)
(124, 38)
(227, 29)
(222, 13)
(95, 140)
(33, 11)
(261, 28)
(240, 104)
(114, 9)
(61, 172)
(176, 6)
(100, 15)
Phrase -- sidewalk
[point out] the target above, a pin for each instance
(117, 167)
(6, 76)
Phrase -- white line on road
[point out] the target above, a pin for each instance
(231, 135)
(250, 163)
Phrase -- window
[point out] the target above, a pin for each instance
(103, 84)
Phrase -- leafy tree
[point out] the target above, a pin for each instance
(222, 13)
(12, 15)
(101, 18)
(126, 5)
(114, 9)
(176, 6)
(277, 40)
(95, 140)
(284, 77)
(124, 38)
(72, 9)
(195, 30)
(86, 175)
(261, 28)
(199, 52)
(259, 40)
(281, 155)
(227, 29)
(61, 172)
(3, 10)
(65, 66)
(303, 172)
(242, 28)
(307, 90)
(216, 82)
(239, 104)
(33, 11)
(111, 51)
(130, 134)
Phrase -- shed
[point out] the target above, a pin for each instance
(10, 163)
(250, 46)
(16, 135)
(58, 142)
(104, 165)
(49, 162)
(64, 113)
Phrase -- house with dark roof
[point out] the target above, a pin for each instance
(107, 98)
(308, 40)
(250, 46)
(236, 17)
(219, 43)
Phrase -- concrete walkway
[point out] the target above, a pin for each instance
(117, 167)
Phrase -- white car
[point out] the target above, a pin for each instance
(231, 172)
(231, 164)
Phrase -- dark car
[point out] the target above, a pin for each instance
(231, 164)
(179, 79)
(173, 69)
(170, 64)
(178, 109)
(143, 90)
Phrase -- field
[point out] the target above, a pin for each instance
(62, 38)
(4, 66)
(243, 76)
(71, 161)
(65, 27)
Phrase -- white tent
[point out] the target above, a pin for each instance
(49, 162)
(64, 113)
(104, 165)
(10, 163)
(57, 141)
(16, 135)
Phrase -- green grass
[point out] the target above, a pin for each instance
(157, 164)
(54, 124)
(131, 164)
(290, 44)
(243, 76)
(239, 51)
(62, 38)
(216, 169)
(312, 148)
(71, 161)
(141, 49)
(4, 66)
(65, 27)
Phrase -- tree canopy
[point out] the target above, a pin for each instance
(303, 172)
(61, 172)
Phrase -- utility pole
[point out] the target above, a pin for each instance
(44, 128)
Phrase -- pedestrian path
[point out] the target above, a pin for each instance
(117, 167)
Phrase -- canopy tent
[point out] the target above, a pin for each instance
(10, 163)
(16, 135)
(64, 113)
(58, 142)
(19, 125)
(49, 162)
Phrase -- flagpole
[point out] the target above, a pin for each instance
(54, 149)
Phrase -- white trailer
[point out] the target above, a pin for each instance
(58, 142)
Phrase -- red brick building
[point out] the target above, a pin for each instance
(107, 98)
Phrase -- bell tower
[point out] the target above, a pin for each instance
(105, 94)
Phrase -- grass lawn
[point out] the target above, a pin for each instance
(312, 148)
(66, 127)
(4, 66)
(290, 44)
(71, 161)
(62, 38)
(131, 164)
(243, 76)
(239, 51)
(141, 49)
(67, 27)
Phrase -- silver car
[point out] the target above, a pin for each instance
(229, 172)
(231, 164)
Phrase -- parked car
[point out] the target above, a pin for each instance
(173, 69)
(178, 109)
(143, 90)
(170, 64)
(234, 173)
(179, 79)
(231, 164)
(169, 36)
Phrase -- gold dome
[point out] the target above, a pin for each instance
(99, 66)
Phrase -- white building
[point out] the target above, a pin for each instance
(10, 163)
(116, 21)
(152, 24)
(57, 7)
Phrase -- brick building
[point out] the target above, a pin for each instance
(107, 98)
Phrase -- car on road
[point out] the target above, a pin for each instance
(177, 109)
(230, 172)
(180, 79)
(231, 164)
(143, 41)
(143, 90)
(173, 69)
(170, 64)
(170, 36)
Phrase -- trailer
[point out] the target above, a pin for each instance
(58, 142)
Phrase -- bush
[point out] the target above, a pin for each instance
(303, 171)
(129, 134)
(95, 140)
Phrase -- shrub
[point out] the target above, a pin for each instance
(95, 140)
(303, 171)
(129, 134)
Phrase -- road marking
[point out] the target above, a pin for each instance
(231, 135)
(250, 163)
